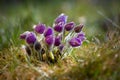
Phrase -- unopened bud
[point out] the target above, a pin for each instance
(37, 46)
(28, 50)
(78, 28)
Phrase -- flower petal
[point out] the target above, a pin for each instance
(49, 39)
(48, 31)
(78, 28)
(75, 42)
(57, 41)
(69, 26)
(59, 27)
(81, 36)
(24, 35)
(61, 18)
(61, 46)
(31, 38)
(40, 28)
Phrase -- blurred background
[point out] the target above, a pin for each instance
(17, 16)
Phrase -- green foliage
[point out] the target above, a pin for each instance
(91, 61)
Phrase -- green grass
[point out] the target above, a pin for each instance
(91, 61)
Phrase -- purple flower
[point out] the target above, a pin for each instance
(48, 31)
(57, 40)
(31, 38)
(37, 46)
(81, 36)
(61, 46)
(49, 40)
(78, 28)
(75, 42)
(59, 27)
(23, 35)
(69, 26)
(40, 28)
(62, 18)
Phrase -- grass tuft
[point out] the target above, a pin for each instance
(91, 61)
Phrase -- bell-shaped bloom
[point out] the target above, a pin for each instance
(75, 42)
(81, 36)
(37, 46)
(28, 50)
(59, 27)
(23, 35)
(60, 47)
(40, 28)
(31, 38)
(62, 18)
(69, 26)
(78, 28)
(49, 40)
(48, 31)
(57, 41)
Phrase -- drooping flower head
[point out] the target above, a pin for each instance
(40, 28)
(37, 46)
(81, 36)
(75, 42)
(57, 41)
(59, 27)
(62, 18)
(31, 38)
(24, 35)
(49, 40)
(61, 46)
(48, 31)
(78, 28)
(69, 26)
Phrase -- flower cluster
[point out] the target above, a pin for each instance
(53, 42)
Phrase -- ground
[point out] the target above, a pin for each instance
(92, 62)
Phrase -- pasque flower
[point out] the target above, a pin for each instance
(75, 42)
(48, 31)
(40, 28)
(61, 46)
(59, 27)
(37, 46)
(31, 38)
(54, 41)
(81, 36)
(62, 18)
(69, 26)
(49, 40)
(78, 28)
(23, 35)
(57, 41)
